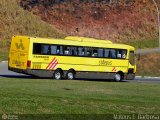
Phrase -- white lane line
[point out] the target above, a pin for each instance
(4, 61)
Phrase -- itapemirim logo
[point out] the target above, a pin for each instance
(19, 45)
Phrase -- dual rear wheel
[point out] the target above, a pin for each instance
(70, 75)
(58, 74)
(118, 77)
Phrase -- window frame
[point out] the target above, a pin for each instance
(61, 46)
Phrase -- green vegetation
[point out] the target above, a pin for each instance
(141, 44)
(3, 54)
(42, 96)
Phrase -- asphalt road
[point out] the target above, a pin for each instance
(4, 72)
(9, 74)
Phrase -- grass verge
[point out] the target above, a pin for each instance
(144, 44)
(29, 96)
(3, 54)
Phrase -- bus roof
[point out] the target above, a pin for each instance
(79, 41)
(86, 39)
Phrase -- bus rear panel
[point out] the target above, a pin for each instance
(19, 54)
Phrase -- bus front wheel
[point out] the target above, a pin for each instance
(70, 75)
(57, 74)
(118, 77)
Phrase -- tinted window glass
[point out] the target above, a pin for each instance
(36, 48)
(132, 58)
(74, 51)
(61, 50)
(88, 51)
(67, 50)
(54, 50)
(100, 52)
(106, 53)
(124, 54)
(46, 49)
(121, 54)
(112, 53)
(78, 51)
(81, 51)
(94, 52)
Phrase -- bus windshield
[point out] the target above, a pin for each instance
(132, 58)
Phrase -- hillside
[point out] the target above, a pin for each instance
(134, 22)
(14, 20)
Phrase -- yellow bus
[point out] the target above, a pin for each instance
(71, 57)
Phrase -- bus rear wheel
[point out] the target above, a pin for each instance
(118, 77)
(70, 75)
(57, 74)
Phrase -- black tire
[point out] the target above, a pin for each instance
(70, 75)
(58, 75)
(118, 77)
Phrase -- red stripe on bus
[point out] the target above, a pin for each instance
(55, 65)
(51, 66)
(50, 63)
(114, 69)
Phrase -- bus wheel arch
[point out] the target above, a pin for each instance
(119, 76)
(70, 74)
(58, 74)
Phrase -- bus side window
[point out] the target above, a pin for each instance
(74, 51)
(81, 51)
(58, 50)
(53, 49)
(124, 53)
(46, 49)
(106, 53)
(66, 50)
(61, 50)
(119, 54)
(112, 53)
(88, 51)
(100, 52)
(95, 52)
(36, 48)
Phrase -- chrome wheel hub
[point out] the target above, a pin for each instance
(58, 75)
(117, 77)
(70, 75)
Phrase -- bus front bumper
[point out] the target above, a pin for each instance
(129, 76)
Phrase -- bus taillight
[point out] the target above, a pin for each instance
(28, 63)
